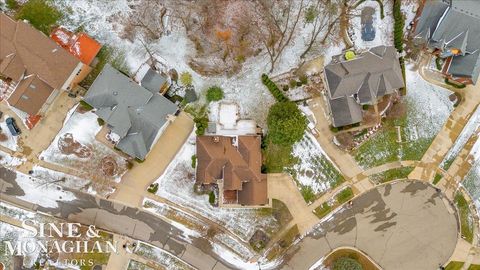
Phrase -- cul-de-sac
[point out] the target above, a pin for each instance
(240, 134)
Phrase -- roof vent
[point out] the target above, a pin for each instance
(54, 50)
(115, 93)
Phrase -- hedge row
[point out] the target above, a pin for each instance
(398, 25)
(273, 88)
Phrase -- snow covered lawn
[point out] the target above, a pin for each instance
(427, 109)
(314, 172)
(76, 149)
(43, 193)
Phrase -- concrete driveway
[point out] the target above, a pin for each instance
(134, 183)
(403, 225)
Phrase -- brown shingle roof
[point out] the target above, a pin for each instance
(30, 95)
(238, 166)
(39, 54)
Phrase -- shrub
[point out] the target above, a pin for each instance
(292, 83)
(153, 188)
(214, 93)
(41, 15)
(285, 87)
(456, 85)
(273, 88)
(202, 124)
(100, 121)
(12, 4)
(346, 263)
(286, 124)
(129, 165)
(303, 79)
(85, 105)
(211, 198)
(310, 14)
(194, 161)
(186, 78)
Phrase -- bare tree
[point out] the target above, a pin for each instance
(324, 16)
(147, 18)
(282, 18)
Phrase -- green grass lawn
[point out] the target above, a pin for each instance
(383, 147)
(474, 267)
(392, 174)
(453, 265)
(437, 178)
(322, 210)
(465, 217)
(344, 195)
(278, 157)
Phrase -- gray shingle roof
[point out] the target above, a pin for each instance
(153, 81)
(131, 111)
(363, 80)
(444, 26)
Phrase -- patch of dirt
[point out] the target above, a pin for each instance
(69, 146)
(3, 137)
(397, 110)
(109, 166)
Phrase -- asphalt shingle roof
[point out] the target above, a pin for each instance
(131, 111)
(362, 80)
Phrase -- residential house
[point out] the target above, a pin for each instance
(230, 158)
(155, 82)
(451, 30)
(233, 163)
(80, 45)
(135, 116)
(350, 84)
(35, 67)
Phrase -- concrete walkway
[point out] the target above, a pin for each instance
(345, 162)
(134, 183)
(282, 187)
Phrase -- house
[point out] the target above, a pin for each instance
(155, 82)
(135, 116)
(233, 163)
(35, 67)
(80, 45)
(451, 30)
(350, 84)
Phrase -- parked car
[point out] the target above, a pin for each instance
(12, 126)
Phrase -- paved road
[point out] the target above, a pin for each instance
(403, 225)
(120, 219)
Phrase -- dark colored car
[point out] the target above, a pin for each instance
(12, 126)
(368, 32)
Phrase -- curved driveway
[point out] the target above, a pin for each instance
(402, 225)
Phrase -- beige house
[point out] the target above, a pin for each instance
(35, 67)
